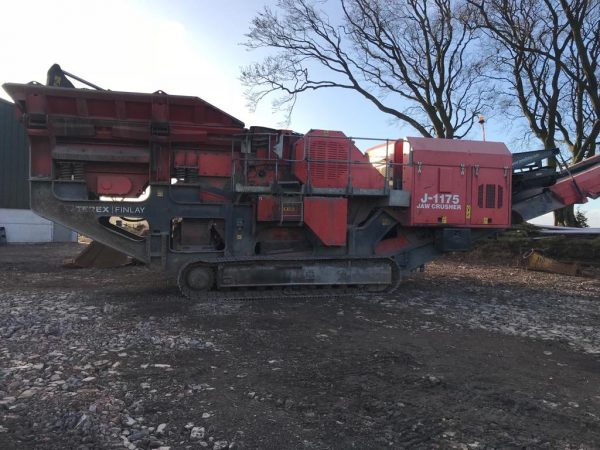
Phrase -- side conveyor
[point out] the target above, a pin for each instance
(575, 185)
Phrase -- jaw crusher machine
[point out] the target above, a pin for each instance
(237, 212)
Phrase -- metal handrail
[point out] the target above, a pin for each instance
(310, 162)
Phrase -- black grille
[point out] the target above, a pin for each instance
(490, 195)
(500, 196)
(494, 196)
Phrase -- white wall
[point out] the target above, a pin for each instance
(23, 225)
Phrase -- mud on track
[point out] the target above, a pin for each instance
(466, 355)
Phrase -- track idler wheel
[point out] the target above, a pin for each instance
(194, 281)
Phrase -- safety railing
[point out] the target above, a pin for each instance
(240, 160)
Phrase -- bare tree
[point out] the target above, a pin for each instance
(581, 125)
(546, 56)
(413, 59)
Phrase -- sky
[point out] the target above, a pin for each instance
(186, 47)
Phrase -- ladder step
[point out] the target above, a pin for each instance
(292, 210)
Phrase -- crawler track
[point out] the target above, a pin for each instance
(282, 292)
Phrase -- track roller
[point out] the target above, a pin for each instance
(195, 280)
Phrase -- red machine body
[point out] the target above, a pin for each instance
(229, 207)
(327, 218)
(457, 182)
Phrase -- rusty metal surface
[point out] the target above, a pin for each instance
(537, 261)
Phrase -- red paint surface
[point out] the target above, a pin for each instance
(124, 180)
(113, 185)
(153, 123)
(41, 157)
(158, 107)
(267, 208)
(587, 183)
(326, 217)
(328, 159)
(446, 177)
(390, 246)
(214, 164)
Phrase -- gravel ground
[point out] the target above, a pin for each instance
(467, 355)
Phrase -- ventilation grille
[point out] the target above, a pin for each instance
(323, 155)
(500, 196)
(490, 196)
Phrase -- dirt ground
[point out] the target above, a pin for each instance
(467, 355)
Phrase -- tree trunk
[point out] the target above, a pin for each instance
(565, 217)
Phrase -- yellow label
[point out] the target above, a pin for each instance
(486, 220)
(444, 219)
(160, 193)
(468, 211)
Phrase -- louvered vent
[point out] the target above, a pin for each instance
(323, 155)
(318, 152)
(490, 196)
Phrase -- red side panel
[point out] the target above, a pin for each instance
(267, 208)
(41, 157)
(490, 201)
(457, 182)
(214, 164)
(327, 217)
(440, 195)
